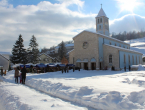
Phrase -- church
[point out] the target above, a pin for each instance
(97, 50)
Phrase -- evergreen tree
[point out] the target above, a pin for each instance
(19, 54)
(33, 50)
(62, 50)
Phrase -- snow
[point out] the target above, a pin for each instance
(69, 45)
(137, 45)
(110, 90)
(4, 57)
(21, 97)
(139, 67)
(124, 49)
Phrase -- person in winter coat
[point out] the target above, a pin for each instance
(129, 68)
(124, 68)
(24, 71)
(67, 68)
(16, 75)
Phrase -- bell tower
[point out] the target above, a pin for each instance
(102, 23)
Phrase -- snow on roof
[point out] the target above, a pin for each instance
(71, 51)
(101, 13)
(68, 45)
(123, 48)
(4, 57)
(46, 55)
(138, 44)
(104, 36)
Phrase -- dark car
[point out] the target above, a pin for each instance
(71, 66)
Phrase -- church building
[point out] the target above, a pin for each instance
(97, 50)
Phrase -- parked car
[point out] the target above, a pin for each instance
(71, 66)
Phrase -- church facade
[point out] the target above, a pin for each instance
(97, 50)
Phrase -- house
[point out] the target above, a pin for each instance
(45, 58)
(97, 50)
(4, 60)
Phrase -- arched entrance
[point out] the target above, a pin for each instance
(85, 64)
(79, 63)
(93, 64)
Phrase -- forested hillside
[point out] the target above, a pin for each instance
(129, 35)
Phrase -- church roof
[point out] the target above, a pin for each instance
(120, 48)
(105, 36)
(101, 13)
(4, 57)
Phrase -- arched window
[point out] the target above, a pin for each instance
(110, 58)
(129, 59)
(78, 60)
(100, 27)
(98, 20)
(132, 59)
(93, 60)
(110, 43)
(124, 59)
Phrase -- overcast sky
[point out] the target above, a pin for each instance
(53, 21)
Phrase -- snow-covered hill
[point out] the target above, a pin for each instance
(137, 45)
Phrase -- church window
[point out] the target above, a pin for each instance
(98, 20)
(129, 59)
(101, 20)
(133, 60)
(100, 27)
(124, 59)
(110, 58)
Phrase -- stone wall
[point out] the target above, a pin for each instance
(107, 50)
(71, 56)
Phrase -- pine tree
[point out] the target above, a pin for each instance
(33, 50)
(19, 54)
(62, 51)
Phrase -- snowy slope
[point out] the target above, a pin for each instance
(137, 45)
(107, 90)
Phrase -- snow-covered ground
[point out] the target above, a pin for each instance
(107, 90)
(137, 45)
(20, 97)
